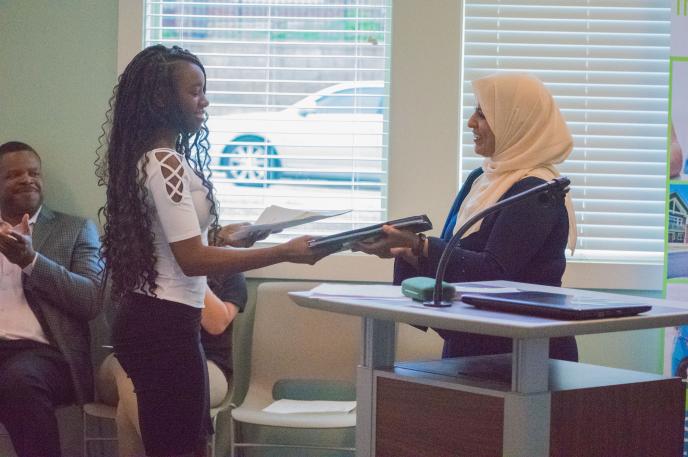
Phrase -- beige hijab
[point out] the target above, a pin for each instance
(531, 136)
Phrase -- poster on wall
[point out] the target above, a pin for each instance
(676, 224)
(676, 266)
(676, 242)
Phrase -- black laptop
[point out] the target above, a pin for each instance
(554, 306)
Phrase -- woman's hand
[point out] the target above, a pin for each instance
(393, 243)
(223, 237)
(297, 251)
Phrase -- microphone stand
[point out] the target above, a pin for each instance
(552, 189)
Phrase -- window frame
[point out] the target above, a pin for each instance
(425, 75)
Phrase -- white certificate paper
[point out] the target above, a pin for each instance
(275, 218)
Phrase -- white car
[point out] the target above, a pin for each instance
(335, 133)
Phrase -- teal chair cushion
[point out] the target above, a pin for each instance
(314, 389)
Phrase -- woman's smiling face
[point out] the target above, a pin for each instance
(483, 137)
(190, 84)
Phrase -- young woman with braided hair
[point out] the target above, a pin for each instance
(159, 209)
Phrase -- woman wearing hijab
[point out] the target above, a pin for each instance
(519, 130)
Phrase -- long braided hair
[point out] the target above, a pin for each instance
(144, 101)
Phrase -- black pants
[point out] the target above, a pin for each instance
(34, 380)
(158, 344)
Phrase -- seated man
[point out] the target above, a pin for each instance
(225, 297)
(49, 290)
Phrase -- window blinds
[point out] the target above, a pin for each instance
(607, 64)
(299, 102)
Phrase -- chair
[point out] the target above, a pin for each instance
(214, 413)
(103, 411)
(6, 448)
(99, 411)
(242, 333)
(297, 353)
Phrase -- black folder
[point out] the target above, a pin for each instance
(344, 240)
(554, 306)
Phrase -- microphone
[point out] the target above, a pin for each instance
(547, 193)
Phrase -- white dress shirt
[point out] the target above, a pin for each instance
(17, 320)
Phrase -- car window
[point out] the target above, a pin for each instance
(338, 103)
(366, 100)
(371, 100)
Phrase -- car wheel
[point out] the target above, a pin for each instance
(252, 163)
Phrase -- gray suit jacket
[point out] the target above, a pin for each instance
(63, 289)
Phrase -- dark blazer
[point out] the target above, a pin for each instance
(63, 289)
(524, 242)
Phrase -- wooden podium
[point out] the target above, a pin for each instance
(513, 405)
(426, 408)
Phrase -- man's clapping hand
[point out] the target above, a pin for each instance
(16, 244)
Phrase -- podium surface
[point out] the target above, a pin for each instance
(522, 383)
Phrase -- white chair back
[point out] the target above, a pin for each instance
(290, 341)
